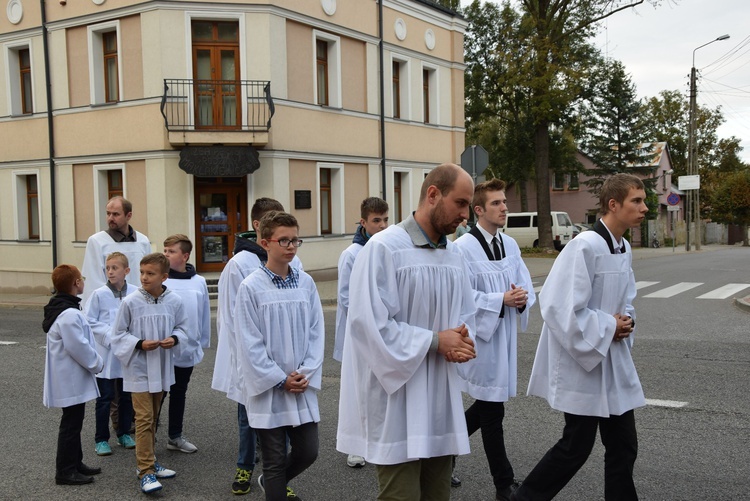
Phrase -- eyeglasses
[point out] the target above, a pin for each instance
(284, 242)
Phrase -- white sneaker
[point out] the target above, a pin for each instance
(354, 461)
(150, 484)
(181, 444)
(160, 471)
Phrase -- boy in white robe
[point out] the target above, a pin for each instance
(248, 257)
(281, 335)
(149, 324)
(192, 289)
(373, 219)
(101, 311)
(71, 361)
(583, 364)
(503, 293)
(409, 317)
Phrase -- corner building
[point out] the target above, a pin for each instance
(192, 110)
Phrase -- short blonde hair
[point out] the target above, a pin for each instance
(118, 255)
(158, 259)
(186, 246)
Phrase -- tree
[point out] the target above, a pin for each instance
(730, 200)
(614, 134)
(558, 29)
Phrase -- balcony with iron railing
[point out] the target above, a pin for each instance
(217, 111)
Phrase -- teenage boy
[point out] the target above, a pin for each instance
(583, 365)
(373, 219)
(192, 289)
(503, 293)
(101, 311)
(149, 323)
(248, 256)
(281, 334)
(70, 364)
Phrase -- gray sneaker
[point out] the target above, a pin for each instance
(181, 444)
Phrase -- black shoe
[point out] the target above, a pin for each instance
(506, 493)
(74, 478)
(88, 470)
(455, 481)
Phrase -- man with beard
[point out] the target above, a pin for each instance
(410, 319)
(119, 237)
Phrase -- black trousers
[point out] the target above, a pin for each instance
(488, 416)
(69, 451)
(567, 456)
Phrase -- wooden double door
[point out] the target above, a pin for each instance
(220, 213)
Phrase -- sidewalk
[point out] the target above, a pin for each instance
(327, 282)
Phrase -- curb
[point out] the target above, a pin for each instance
(743, 303)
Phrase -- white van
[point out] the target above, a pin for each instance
(524, 228)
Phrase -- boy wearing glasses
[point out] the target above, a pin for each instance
(280, 333)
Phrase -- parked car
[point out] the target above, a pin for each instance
(524, 228)
(581, 227)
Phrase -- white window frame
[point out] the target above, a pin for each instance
(96, 61)
(558, 176)
(101, 190)
(404, 84)
(338, 220)
(434, 83)
(13, 76)
(406, 191)
(21, 216)
(334, 68)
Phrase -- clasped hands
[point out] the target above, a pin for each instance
(296, 383)
(624, 326)
(516, 297)
(456, 345)
(149, 345)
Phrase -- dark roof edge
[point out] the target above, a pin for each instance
(437, 6)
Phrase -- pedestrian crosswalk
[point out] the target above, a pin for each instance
(670, 290)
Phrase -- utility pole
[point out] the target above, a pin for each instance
(694, 195)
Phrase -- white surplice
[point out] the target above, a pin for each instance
(578, 367)
(492, 376)
(139, 318)
(194, 294)
(101, 311)
(401, 401)
(279, 331)
(225, 366)
(346, 262)
(70, 361)
(98, 247)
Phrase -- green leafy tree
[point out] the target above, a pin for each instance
(614, 134)
(730, 200)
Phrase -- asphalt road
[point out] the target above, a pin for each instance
(688, 350)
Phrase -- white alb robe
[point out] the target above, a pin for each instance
(98, 247)
(493, 375)
(70, 362)
(279, 331)
(148, 371)
(400, 401)
(225, 377)
(101, 311)
(194, 294)
(579, 368)
(346, 262)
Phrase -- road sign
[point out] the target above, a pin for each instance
(673, 208)
(689, 183)
(673, 199)
(474, 160)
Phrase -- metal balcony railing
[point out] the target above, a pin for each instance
(217, 105)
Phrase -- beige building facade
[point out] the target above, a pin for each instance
(192, 110)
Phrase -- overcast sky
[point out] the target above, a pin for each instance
(656, 46)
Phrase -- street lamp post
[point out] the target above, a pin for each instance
(694, 195)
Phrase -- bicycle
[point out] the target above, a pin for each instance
(655, 241)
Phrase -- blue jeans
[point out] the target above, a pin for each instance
(125, 420)
(246, 457)
(278, 466)
(177, 396)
